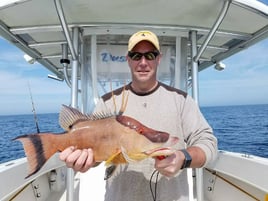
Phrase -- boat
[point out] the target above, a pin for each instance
(83, 42)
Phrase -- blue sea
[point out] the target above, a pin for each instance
(241, 129)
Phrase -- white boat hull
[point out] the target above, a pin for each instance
(232, 177)
(235, 176)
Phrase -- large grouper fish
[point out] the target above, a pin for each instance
(115, 139)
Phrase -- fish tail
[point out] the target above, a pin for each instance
(38, 149)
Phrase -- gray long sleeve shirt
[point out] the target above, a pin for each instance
(165, 109)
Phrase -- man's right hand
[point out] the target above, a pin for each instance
(79, 160)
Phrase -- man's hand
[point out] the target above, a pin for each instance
(79, 160)
(170, 165)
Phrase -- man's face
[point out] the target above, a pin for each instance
(144, 70)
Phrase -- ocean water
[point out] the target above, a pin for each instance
(16, 125)
(241, 129)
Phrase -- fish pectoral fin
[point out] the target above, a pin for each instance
(113, 159)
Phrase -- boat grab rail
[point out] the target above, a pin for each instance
(213, 30)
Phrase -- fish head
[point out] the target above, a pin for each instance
(143, 142)
(165, 149)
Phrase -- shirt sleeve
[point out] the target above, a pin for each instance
(197, 131)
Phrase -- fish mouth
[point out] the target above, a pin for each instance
(165, 150)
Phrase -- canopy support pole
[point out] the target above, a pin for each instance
(194, 72)
(74, 104)
(65, 28)
(181, 70)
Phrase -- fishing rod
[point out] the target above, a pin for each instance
(33, 110)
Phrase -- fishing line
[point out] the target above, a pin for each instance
(153, 191)
(33, 110)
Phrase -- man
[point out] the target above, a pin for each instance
(162, 108)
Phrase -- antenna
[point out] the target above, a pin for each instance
(33, 110)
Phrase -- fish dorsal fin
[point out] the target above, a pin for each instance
(69, 116)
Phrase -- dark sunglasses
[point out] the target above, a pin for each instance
(136, 56)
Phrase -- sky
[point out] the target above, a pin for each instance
(244, 81)
(17, 76)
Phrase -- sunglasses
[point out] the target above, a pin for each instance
(136, 56)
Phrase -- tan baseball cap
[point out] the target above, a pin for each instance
(143, 35)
